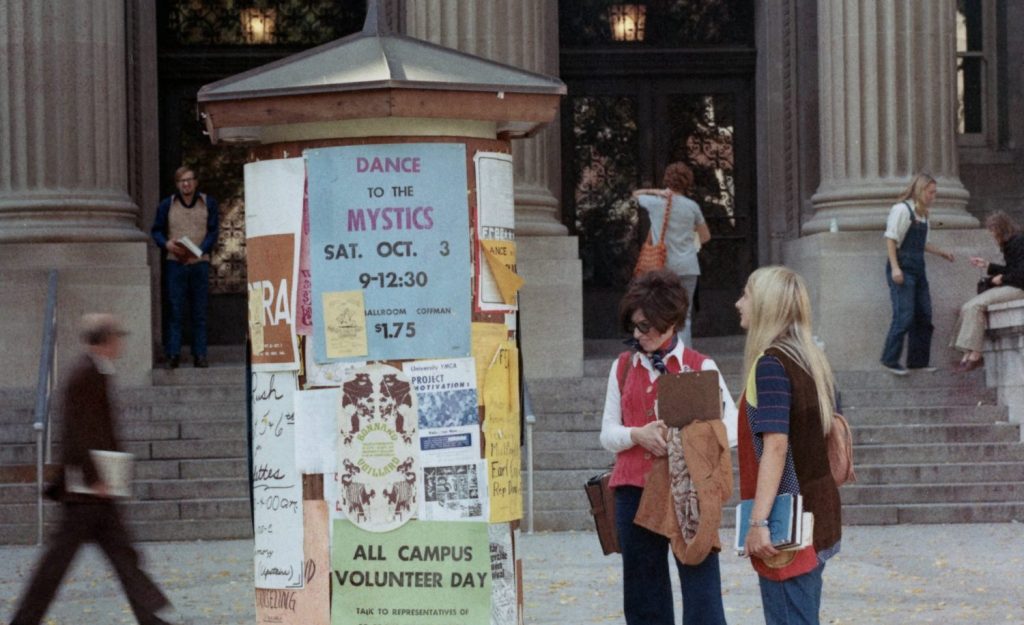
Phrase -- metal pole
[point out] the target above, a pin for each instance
(530, 420)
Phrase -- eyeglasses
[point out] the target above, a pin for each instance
(186, 180)
(643, 326)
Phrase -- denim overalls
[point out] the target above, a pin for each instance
(911, 301)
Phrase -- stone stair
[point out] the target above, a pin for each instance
(929, 448)
(188, 434)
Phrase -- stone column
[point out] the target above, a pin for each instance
(524, 33)
(64, 200)
(886, 94)
(887, 103)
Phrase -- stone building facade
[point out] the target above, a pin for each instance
(832, 105)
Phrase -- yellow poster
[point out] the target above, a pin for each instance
(501, 434)
(486, 339)
(501, 260)
(345, 320)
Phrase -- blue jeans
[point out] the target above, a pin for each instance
(795, 601)
(911, 318)
(186, 282)
(646, 581)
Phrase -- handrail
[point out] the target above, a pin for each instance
(44, 389)
(531, 419)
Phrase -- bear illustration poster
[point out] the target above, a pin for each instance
(378, 461)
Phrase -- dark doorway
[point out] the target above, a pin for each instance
(203, 42)
(632, 109)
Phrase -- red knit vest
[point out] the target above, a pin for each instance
(638, 394)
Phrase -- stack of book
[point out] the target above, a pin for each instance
(791, 528)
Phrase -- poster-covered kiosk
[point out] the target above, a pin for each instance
(382, 297)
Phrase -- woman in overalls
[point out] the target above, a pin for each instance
(906, 239)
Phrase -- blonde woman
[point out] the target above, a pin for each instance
(906, 241)
(785, 412)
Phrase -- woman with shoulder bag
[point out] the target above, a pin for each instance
(786, 411)
(1005, 284)
(680, 228)
(653, 310)
(906, 241)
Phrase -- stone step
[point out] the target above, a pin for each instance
(863, 455)
(186, 375)
(876, 494)
(572, 480)
(862, 435)
(158, 531)
(142, 431)
(858, 417)
(233, 508)
(930, 513)
(917, 397)
(25, 453)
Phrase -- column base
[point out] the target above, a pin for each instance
(866, 205)
(92, 277)
(551, 306)
(845, 273)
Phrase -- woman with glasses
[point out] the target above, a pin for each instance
(654, 311)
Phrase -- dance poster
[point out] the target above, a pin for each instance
(390, 222)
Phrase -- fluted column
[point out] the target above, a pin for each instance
(887, 96)
(514, 32)
(63, 141)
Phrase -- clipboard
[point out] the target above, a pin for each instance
(689, 396)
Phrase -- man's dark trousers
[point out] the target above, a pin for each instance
(98, 522)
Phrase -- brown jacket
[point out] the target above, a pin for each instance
(706, 450)
(88, 414)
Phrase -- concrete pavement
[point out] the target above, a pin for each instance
(905, 575)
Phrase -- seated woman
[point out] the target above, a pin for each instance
(1007, 284)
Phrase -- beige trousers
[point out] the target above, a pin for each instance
(970, 326)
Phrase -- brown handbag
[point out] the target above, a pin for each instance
(602, 506)
(653, 255)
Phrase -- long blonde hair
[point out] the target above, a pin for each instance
(780, 317)
(915, 191)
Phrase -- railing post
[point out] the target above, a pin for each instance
(44, 386)
(530, 420)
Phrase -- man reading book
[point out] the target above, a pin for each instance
(184, 222)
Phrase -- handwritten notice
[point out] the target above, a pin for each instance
(344, 324)
(277, 484)
(502, 435)
(503, 575)
(377, 448)
(495, 221)
(487, 340)
(316, 431)
(423, 573)
(310, 605)
(392, 221)
(273, 221)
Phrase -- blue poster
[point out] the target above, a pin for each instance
(389, 251)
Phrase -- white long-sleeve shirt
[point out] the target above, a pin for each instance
(615, 436)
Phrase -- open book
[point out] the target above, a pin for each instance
(114, 468)
(191, 246)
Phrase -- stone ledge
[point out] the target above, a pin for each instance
(1004, 356)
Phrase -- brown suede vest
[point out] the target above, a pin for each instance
(810, 455)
